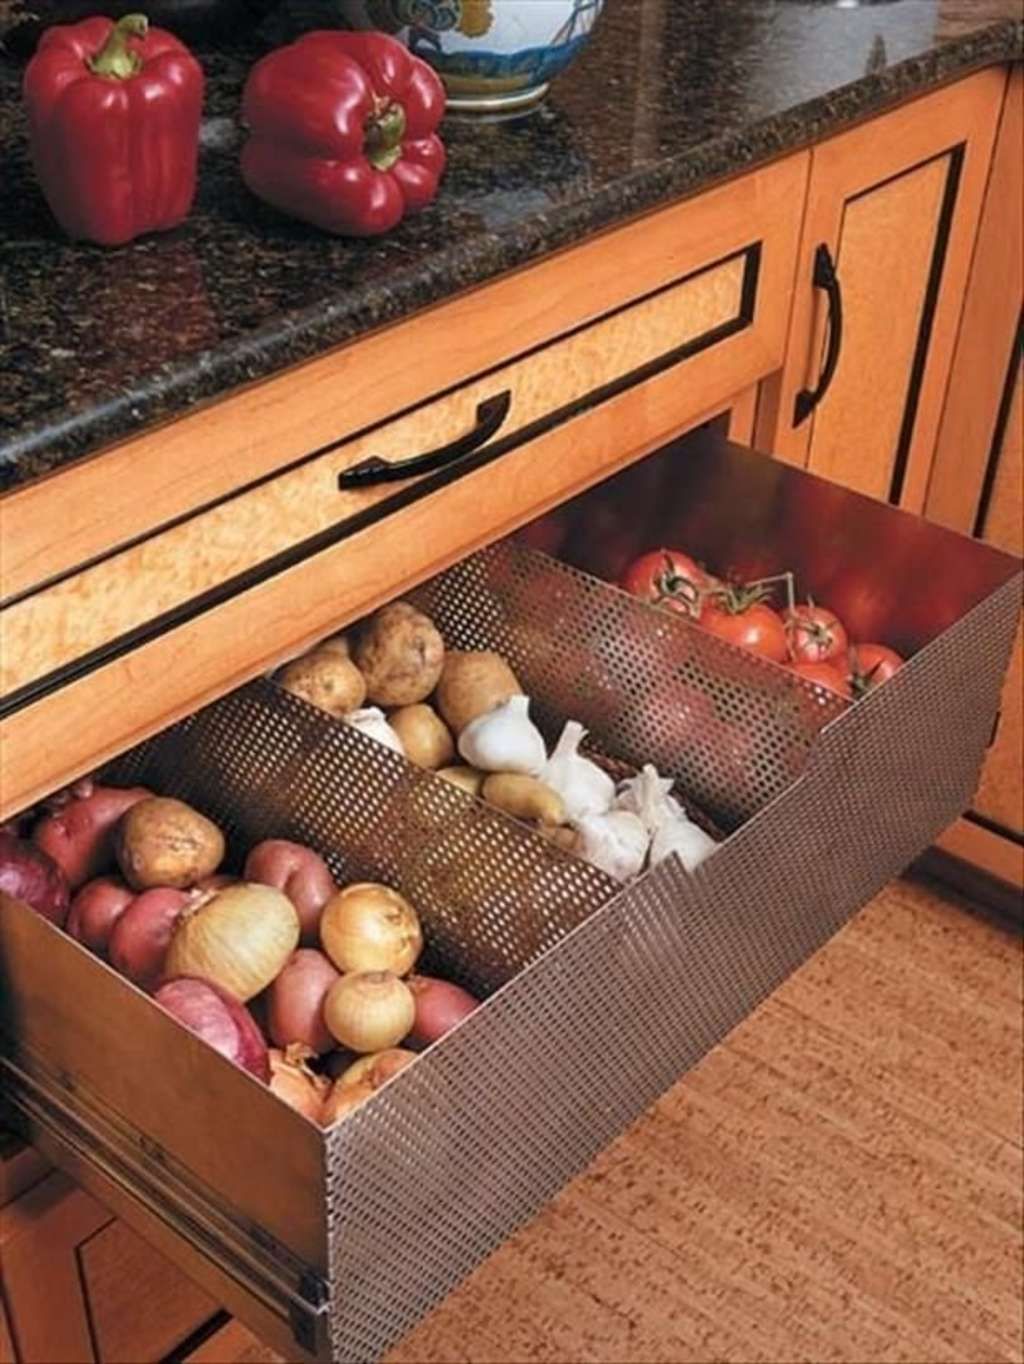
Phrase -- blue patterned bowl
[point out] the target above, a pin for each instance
(493, 55)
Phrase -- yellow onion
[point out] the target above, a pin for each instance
(369, 1010)
(368, 927)
(377, 1068)
(343, 1100)
(292, 1080)
(239, 939)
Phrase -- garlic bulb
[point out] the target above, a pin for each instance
(505, 739)
(371, 721)
(681, 836)
(615, 843)
(664, 818)
(648, 796)
(584, 788)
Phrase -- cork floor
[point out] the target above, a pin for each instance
(841, 1180)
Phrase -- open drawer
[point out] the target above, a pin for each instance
(598, 996)
(167, 605)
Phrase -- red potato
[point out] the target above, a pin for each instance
(440, 1005)
(142, 935)
(28, 874)
(295, 1001)
(96, 909)
(300, 873)
(80, 836)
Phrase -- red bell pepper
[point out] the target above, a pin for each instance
(114, 127)
(342, 131)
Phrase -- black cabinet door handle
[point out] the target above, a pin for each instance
(826, 278)
(490, 416)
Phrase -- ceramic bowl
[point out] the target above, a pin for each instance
(493, 55)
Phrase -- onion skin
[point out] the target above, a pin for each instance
(218, 880)
(141, 936)
(28, 873)
(80, 835)
(369, 1010)
(295, 1001)
(377, 1068)
(96, 909)
(440, 1005)
(343, 1100)
(239, 939)
(370, 927)
(222, 1022)
(301, 873)
(295, 1084)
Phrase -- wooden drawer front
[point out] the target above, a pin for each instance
(135, 488)
(52, 628)
(140, 1306)
(82, 1288)
(126, 645)
(43, 1292)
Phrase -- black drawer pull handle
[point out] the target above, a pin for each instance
(490, 416)
(825, 277)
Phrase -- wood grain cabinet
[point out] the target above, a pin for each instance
(78, 1286)
(977, 478)
(892, 214)
(913, 230)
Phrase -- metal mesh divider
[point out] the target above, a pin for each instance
(261, 763)
(733, 728)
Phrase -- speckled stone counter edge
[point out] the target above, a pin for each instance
(294, 337)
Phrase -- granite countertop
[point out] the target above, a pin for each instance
(96, 345)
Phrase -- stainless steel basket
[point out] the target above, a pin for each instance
(599, 997)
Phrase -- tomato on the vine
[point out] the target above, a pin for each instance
(871, 665)
(668, 578)
(826, 675)
(815, 634)
(741, 616)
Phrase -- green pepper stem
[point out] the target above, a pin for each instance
(385, 129)
(116, 60)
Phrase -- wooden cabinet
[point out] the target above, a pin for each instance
(978, 474)
(79, 1287)
(895, 203)
(1000, 798)
(920, 213)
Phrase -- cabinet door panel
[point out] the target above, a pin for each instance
(976, 477)
(43, 1291)
(1000, 796)
(897, 202)
(140, 1306)
(887, 245)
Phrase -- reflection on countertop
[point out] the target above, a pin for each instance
(96, 345)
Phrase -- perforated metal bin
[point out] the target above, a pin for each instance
(599, 997)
